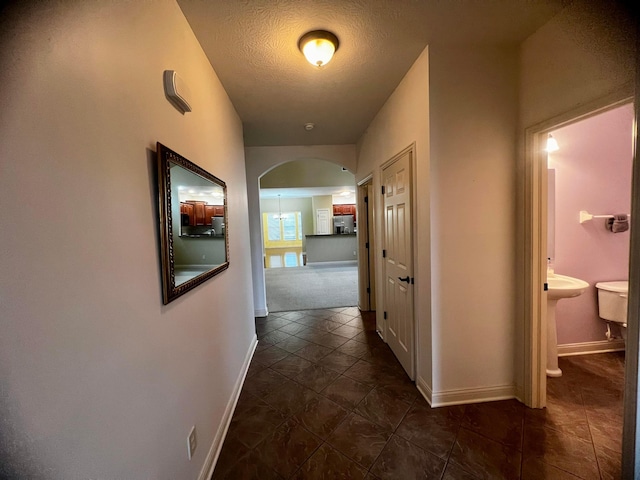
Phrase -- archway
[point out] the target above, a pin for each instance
(261, 160)
(308, 214)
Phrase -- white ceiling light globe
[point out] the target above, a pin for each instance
(318, 47)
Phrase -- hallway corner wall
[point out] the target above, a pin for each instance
(403, 120)
(473, 92)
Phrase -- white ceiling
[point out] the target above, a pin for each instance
(252, 45)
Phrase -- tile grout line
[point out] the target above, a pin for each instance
(593, 443)
(453, 444)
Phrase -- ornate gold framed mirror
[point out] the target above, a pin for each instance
(194, 232)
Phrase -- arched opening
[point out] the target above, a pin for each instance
(260, 161)
(308, 227)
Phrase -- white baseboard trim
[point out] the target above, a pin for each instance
(424, 389)
(472, 395)
(218, 439)
(263, 312)
(601, 346)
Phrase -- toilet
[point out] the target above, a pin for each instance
(612, 303)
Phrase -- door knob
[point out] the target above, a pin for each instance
(405, 279)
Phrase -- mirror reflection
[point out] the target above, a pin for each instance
(198, 224)
(194, 240)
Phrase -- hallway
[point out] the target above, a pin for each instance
(325, 398)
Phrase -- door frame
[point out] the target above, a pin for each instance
(366, 263)
(630, 440)
(535, 241)
(380, 282)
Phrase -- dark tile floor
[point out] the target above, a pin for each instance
(325, 398)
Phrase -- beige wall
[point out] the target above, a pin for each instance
(584, 53)
(473, 92)
(99, 379)
(401, 122)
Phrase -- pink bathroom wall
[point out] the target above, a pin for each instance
(593, 173)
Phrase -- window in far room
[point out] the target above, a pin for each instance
(282, 230)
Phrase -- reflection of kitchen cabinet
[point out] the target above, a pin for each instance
(209, 211)
(189, 210)
(200, 213)
(213, 211)
(198, 208)
(219, 209)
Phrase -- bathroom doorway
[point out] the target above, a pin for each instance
(597, 393)
(589, 181)
(539, 250)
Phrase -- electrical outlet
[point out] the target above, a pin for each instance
(192, 442)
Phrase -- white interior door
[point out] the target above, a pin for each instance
(398, 260)
(323, 221)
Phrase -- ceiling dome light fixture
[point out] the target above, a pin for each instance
(318, 46)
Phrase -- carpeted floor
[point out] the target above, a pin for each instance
(321, 285)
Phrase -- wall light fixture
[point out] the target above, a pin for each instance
(552, 144)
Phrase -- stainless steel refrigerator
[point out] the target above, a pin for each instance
(343, 224)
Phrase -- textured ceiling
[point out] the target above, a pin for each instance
(252, 45)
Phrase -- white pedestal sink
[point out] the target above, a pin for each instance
(560, 286)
